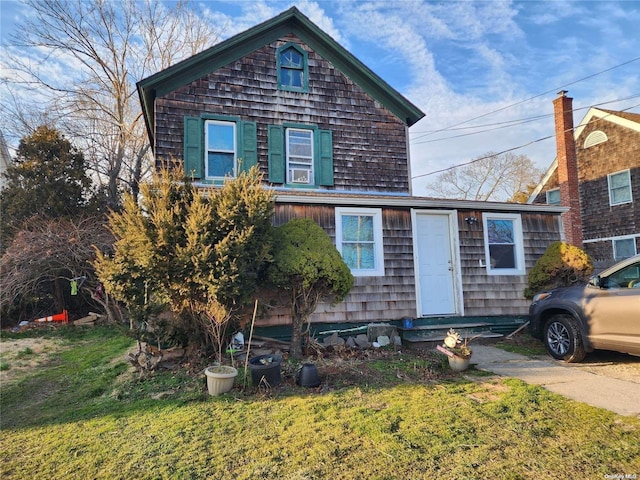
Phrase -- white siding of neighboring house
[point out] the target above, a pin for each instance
(5, 159)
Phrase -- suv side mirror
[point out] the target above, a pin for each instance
(596, 281)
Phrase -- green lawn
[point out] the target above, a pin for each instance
(80, 413)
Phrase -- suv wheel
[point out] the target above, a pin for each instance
(563, 339)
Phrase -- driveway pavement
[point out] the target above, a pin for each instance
(620, 395)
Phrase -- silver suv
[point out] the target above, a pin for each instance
(604, 314)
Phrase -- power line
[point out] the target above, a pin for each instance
(517, 121)
(519, 146)
(512, 123)
(483, 158)
(535, 96)
(488, 124)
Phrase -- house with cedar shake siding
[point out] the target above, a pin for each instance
(603, 151)
(331, 138)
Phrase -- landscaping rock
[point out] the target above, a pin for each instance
(363, 341)
(375, 330)
(334, 340)
(384, 340)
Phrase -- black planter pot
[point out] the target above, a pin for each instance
(265, 369)
(308, 376)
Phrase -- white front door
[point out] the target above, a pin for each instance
(436, 271)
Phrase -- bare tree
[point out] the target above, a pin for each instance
(491, 177)
(47, 254)
(82, 59)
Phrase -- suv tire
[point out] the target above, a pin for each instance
(563, 339)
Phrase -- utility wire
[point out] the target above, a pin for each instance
(519, 146)
(517, 121)
(535, 96)
(511, 123)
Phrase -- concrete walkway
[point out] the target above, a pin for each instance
(619, 396)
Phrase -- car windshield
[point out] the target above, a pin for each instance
(626, 277)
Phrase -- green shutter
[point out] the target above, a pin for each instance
(324, 165)
(249, 146)
(276, 154)
(193, 159)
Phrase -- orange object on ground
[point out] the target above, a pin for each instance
(58, 317)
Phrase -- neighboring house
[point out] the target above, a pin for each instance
(603, 154)
(331, 138)
(5, 160)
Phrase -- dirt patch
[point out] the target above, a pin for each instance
(489, 391)
(378, 368)
(611, 364)
(19, 356)
(601, 362)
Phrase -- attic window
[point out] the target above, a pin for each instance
(594, 138)
(292, 68)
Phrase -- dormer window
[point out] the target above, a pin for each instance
(292, 68)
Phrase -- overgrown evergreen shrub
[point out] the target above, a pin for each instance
(561, 265)
(310, 269)
(196, 253)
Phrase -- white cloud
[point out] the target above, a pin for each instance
(546, 13)
(458, 60)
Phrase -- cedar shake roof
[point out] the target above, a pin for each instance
(290, 21)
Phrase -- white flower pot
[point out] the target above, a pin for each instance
(459, 364)
(220, 379)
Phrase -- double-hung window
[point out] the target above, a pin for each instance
(220, 146)
(299, 144)
(300, 155)
(216, 147)
(503, 242)
(359, 240)
(619, 187)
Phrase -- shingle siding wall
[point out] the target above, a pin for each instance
(372, 299)
(620, 152)
(600, 220)
(500, 294)
(392, 297)
(551, 184)
(369, 143)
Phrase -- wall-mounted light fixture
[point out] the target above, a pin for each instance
(471, 220)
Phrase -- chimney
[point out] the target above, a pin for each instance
(567, 168)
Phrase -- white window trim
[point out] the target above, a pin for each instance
(311, 179)
(547, 196)
(519, 244)
(206, 148)
(617, 239)
(376, 213)
(628, 172)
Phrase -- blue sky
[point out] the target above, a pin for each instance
(492, 65)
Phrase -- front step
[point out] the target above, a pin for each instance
(430, 335)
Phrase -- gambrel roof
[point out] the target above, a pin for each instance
(291, 21)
